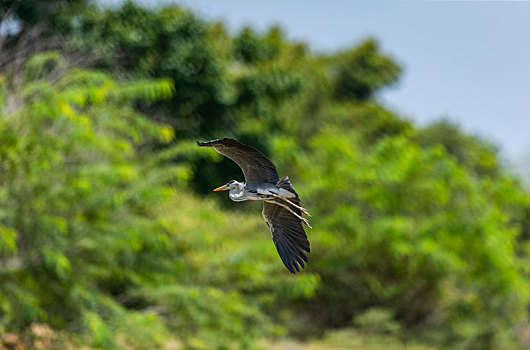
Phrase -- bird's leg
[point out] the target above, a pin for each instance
(304, 220)
(304, 210)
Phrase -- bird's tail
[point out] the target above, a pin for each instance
(286, 185)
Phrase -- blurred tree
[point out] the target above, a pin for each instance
(360, 72)
(478, 155)
(169, 43)
(413, 231)
(219, 89)
(93, 238)
(250, 48)
(25, 23)
(29, 13)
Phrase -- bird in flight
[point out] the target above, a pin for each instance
(281, 205)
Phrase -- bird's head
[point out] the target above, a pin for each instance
(229, 186)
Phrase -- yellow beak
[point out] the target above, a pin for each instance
(224, 187)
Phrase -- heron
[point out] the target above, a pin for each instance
(281, 204)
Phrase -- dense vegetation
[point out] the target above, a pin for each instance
(109, 238)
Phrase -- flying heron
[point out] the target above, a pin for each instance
(281, 205)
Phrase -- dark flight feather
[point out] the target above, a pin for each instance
(287, 231)
(256, 167)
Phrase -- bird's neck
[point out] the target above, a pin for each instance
(237, 193)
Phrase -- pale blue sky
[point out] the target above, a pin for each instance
(469, 60)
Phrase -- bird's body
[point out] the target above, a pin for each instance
(281, 205)
(240, 192)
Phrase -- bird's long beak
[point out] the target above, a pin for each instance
(224, 187)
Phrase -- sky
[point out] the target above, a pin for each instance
(466, 60)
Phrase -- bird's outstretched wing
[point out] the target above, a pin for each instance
(256, 167)
(288, 234)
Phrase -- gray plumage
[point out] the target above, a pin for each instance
(281, 205)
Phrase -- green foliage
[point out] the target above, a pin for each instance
(352, 339)
(362, 71)
(36, 12)
(472, 152)
(378, 321)
(169, 43)
(70, 171)
(250, 48)
(86, 237)
(411, 230)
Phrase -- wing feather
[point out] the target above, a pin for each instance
(288, 235)
(256, 167)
